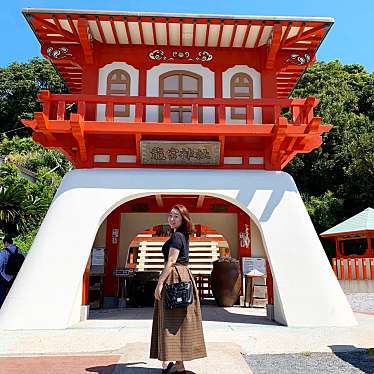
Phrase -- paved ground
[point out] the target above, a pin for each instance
(117, 341)
(313, 363)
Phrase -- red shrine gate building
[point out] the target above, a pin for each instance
(176, 108)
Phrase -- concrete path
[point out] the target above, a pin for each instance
(117, 341)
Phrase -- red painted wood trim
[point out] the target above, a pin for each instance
(155, 41)
(221, 26)
(259, 35)
(85, 282)
(114, 30)
(194, 33)
(71, 24)
(100, 28)
(357, 269)
(181, 32)
(141, 31)
(246, 35)
(207, 34)
(334, 267)
(233, 35)
(167, 32)
(364, 270)
(349, 266)
(371, 261)
(342, 275)
(128, 32)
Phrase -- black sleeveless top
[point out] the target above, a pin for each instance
(178, 241)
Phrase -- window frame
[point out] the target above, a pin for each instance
(114, 92)
(180, 109)
(233, 95)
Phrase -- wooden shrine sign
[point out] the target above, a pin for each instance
(154, 152)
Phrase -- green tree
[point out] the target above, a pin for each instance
(19, 85)
(344, 163)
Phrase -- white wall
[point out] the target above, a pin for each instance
(305, 284)
(153, 79)
(256, 77)
(102, 88)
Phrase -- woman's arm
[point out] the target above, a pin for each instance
(172, 259)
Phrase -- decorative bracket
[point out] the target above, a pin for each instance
(77, 130)
(85, 39)
(274, 46)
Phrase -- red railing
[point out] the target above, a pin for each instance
(354, 267)
(59, 106)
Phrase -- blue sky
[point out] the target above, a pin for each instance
(350, 40)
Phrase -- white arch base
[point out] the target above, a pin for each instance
(47, 291)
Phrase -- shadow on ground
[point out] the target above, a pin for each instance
(211, 313)
(126, 368)
(356, 357)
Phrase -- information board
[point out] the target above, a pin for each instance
(255, 266)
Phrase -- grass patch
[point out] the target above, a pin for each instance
(306, 354)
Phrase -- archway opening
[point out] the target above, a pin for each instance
(134, 227)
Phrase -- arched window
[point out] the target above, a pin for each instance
(180, 83)
(241, 87)
(118, 84)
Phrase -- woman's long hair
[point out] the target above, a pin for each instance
(186, 226)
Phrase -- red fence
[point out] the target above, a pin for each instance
(58, 107)
(353, 267)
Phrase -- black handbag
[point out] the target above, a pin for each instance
(178, 294)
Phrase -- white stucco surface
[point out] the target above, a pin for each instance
(45, 292)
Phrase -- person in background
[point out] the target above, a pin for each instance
(5, 279)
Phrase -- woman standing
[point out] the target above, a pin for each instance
(177, 334)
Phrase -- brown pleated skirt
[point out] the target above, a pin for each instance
(177, 334)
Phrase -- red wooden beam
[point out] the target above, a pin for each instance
(128, 31)
(114, 30)
(194, 33)
(285, 35)
(101, 32)
(71, 24)
(260, 32)
(141, 31)
(84, 40)
(181, 32)
(200, 201)
(207, 34)
(304, 35)
(246, 35)
(233, 34)
(155, 41)
(222, 24)
(274, 46)
(167, 32)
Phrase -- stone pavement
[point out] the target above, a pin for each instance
(117, 341)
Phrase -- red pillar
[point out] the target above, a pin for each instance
(370, 248)
(90, 79)
(244, 231)
(86, 281)
(218, 90)
(112, 249)
(337, 248)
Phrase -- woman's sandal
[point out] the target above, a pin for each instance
(168, 369)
